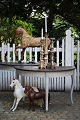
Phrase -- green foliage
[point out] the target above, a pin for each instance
(69, 10)
(59, 27)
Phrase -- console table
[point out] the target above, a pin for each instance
(34, 71)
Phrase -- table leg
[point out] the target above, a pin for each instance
(72, 87)
(46, 81)
(17, 76)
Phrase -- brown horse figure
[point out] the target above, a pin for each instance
(28, 41)
(32, 95)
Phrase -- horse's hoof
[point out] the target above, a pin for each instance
(13, 110)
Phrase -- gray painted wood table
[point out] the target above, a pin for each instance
(34, 71)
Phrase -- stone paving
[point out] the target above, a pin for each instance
(60, 108)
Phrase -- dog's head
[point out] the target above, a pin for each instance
(15, 82)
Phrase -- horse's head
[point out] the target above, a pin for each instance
(15, 82)
(28, 89)
(19, 31)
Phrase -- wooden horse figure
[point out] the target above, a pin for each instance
(32, 95)
(28, 41)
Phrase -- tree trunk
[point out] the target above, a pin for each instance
(51, 17)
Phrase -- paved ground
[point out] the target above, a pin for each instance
(59, 109)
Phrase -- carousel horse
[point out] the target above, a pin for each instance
(28, 41)
(32, 95)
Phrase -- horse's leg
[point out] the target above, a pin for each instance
(17, 101)
(22, 55)
(23, 99)
(33, 105)
(29, 104)
(18, 47)
(44, 101)
(13, 104)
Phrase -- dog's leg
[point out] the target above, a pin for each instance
(16, 104)
(13, 104)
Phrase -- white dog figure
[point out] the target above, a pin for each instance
(18, 92)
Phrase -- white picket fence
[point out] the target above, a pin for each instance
(64, 55)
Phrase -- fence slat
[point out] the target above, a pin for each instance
(30, 49)
(3, 52)
(13, 50)
(36, 54)
(8, 50)
(63, 52)
(57, 53)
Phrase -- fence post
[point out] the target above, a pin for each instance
(78, 65)
(68, 57)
